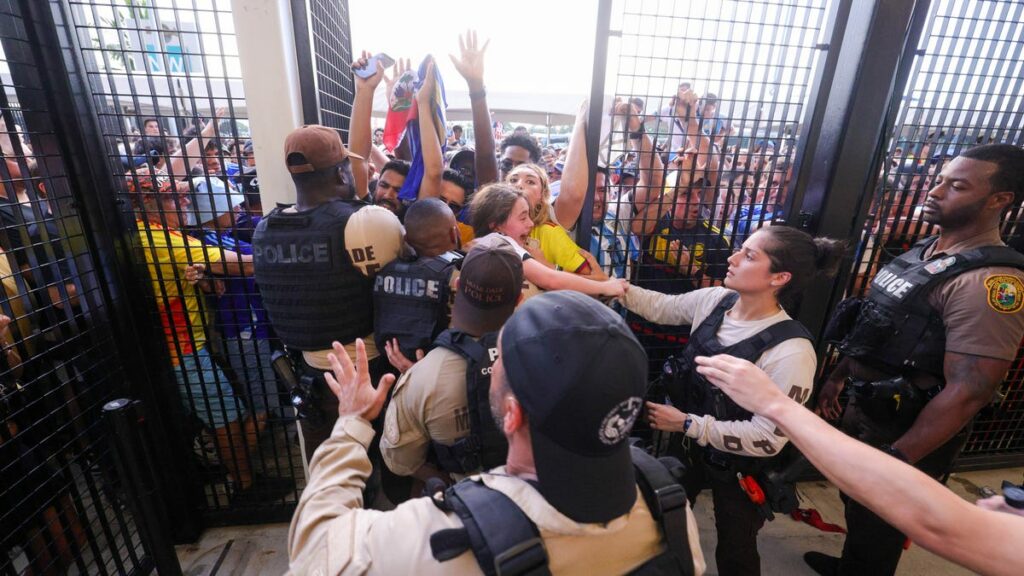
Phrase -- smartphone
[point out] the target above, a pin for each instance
(382, 60)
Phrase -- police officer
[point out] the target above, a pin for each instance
(932, 341)
(439, 410)
(411, 295)
(315, 261)
(745, 318)
(566, 387)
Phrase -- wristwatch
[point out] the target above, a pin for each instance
(687, 424)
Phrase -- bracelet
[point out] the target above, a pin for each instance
(687, 424)
(638, 134)
(481, 93)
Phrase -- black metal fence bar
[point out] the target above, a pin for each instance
(60, 509)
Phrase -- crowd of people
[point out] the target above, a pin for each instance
(443, 333)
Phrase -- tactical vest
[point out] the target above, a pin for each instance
(692, 393)
(505, 541)
(894, 328)
(311, 290)
(485, 446)
(411, 301)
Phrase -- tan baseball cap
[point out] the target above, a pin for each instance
(373, 238)
(314, 147)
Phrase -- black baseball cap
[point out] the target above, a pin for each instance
(490, 282)
(580, 374)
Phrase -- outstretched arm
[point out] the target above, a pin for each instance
(576, 173)
(433, 161)
(551, 279)
(360, 138)
(177, 165)
(971, 381)
(931, 515)
(470, 65)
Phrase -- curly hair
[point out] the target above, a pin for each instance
(523, 142)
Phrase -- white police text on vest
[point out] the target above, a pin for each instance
(401, 286)
(892, 284)
(303, 252)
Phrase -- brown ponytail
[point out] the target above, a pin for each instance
(806, 258)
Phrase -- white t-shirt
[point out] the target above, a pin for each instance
(790, 364)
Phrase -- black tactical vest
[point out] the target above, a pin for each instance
(485, 446)
(311, 290)
(692, 393)
(411, 301)
(895, 328)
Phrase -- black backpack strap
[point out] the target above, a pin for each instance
(484, 446)
(666, 499)
(503, 539)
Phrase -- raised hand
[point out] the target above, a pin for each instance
(366, 83)
(630, 111)
(684, 104)
(400, 67)
(351, 383)
(397, 359)
(426, 92)
(211, 126)
(470, 63)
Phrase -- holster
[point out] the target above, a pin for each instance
(304, 391)
(892, 400)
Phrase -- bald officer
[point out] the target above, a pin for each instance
(314, 264)
(568, 481)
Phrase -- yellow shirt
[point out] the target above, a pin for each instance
(465, 233)
(167, 254)
(558, 247)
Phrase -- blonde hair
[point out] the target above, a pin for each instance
(541, 215)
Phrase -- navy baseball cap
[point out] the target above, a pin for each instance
(580, 374)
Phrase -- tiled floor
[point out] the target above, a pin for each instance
(247, 550)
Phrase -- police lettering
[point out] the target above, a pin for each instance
(493, 353)
(415, 287)
(304, 253)
(892, 284)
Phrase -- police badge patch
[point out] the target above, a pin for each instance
(1005, 293)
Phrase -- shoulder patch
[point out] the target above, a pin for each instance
(1005, 293)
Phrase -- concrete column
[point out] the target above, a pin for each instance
(266, 49)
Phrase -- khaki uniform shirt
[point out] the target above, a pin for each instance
(331, 534)
(981, 308)
(428, 403)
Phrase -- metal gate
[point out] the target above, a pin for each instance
(165, 84)
(724, 89)
(61, 501)
(964, 90)
(830, 115)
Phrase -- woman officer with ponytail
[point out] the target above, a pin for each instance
(745, 318)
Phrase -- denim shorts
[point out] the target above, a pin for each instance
(206, 392)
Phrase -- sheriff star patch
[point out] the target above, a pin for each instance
(1005, 293)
